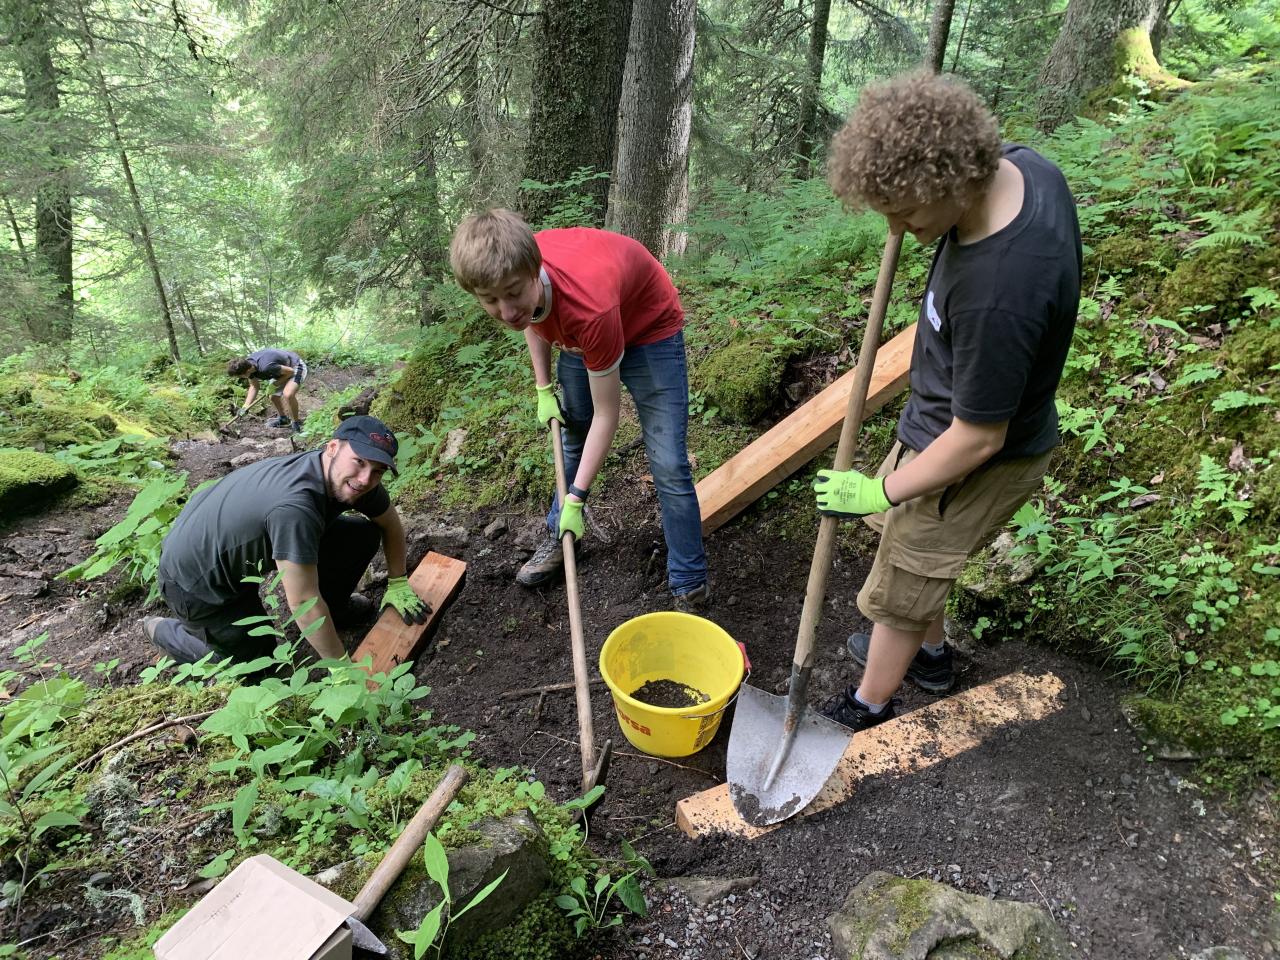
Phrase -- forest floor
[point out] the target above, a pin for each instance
(1128, 853)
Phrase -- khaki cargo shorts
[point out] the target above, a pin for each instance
(925, 542)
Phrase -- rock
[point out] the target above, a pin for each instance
(705, 891)
(514, 844)
(495, 529)
(532, 535)
(444, 539)
(29, 479)
(245, 459)
(1219, 953)
(281, 447)
(889, 918)
(453, 444)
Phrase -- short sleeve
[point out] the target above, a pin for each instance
(993, 354)
(602, 342)
(295, 534)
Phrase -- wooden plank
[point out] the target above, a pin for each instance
(391, 642)
(906, 744)
(793, 442)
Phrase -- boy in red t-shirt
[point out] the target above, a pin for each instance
(615, 316)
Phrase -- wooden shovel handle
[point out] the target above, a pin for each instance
(408, 843)
(816, 591)
(581, 682)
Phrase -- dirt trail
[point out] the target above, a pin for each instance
(1132, 858)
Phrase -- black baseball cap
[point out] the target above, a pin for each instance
(370, 438)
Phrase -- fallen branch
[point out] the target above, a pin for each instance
(154, 728)
(546, 688)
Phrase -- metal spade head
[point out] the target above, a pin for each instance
(809, 754)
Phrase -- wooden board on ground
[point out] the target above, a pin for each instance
(437, 581)
(907, 744)
(789, 445)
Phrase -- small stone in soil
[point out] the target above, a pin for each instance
(669, 693)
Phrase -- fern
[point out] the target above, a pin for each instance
(1231, 230)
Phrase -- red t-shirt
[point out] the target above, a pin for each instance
(607, 293)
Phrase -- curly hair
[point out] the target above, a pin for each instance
(239, 367)
(917, 138)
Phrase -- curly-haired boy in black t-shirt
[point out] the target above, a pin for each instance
(995, 326)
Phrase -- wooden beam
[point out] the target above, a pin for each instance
(793, 442)
(907, 744)
(391, 642)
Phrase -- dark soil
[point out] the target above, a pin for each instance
(1130, 854)
(669, 693)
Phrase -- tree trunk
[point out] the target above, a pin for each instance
(577, 83)
(1100, 42)
(964, 28)
(33, 48)
(651, 179)
(812, 95)
(17, 232)
(184, 307)
(939, 30)
(135, 199)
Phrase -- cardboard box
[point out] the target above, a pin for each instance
(262, 910)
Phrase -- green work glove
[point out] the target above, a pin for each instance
(548, 406)
(571, 517)
(848, 493)
(408, 604)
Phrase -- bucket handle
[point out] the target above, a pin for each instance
(746, 663)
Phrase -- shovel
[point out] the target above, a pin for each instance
(779, 757)
(397, 858)
(226, 430)
(594, 768)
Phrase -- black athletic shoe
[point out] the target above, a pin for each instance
(932, 674)
(844, 709)
(278, 421)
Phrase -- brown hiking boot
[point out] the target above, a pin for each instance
(545, 564)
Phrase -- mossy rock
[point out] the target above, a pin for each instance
(50, 425)
(1139, 258)
(29, 479)
(741, 380)
(1214, 278)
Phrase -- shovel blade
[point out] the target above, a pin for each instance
(754, 743)
(363, 939)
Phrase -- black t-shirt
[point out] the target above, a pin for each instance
(268, 363)
(997, 320)
(275, 509)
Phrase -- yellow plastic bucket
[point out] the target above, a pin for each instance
(681, 648)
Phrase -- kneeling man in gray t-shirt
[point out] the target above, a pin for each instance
(286, 513)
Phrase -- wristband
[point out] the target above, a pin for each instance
(579, 492)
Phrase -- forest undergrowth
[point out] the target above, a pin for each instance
(1153, 546)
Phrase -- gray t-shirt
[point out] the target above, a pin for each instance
(997, 320)
(268, 363)
(275, 509)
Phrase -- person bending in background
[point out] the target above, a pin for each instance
(613, 313)
(995, 325)
(284, 513)
(286, 371)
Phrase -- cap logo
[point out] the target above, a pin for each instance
(384, 441)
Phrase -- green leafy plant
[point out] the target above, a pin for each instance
(434, 927)
(590, 907)
(133, 544)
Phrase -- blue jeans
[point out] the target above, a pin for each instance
(657, 378)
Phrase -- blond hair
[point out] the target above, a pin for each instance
(915, 139)
(489, 247)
